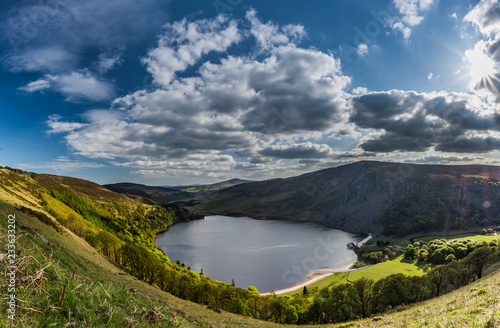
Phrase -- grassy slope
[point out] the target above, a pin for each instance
(472, 306)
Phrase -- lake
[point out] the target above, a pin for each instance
(269, 255)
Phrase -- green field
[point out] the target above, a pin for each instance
(471, 236)
(375, 272)
(397, 265)
(394, 266)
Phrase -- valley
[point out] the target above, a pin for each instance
(117, 234)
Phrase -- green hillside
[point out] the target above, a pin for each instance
(71, 273)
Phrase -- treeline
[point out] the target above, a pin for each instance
(127, 235)
(381, 251)
(440, 251)
(364, 297)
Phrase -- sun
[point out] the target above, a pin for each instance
(482, 68)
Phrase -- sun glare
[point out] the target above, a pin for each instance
(482, 67)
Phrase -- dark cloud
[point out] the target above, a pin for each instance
(78, 25)
(376, 110)
(390, 142)
(407, 121)
(304, 150)
(350, 154)
(470, 145)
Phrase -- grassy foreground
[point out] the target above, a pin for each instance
(64, 280)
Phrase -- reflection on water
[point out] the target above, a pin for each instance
(269, 255)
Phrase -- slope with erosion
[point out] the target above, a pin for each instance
(371, 197)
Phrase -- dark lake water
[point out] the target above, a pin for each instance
(269, 255)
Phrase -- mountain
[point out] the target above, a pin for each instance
(180, 196)
(213, 186)
(371, 197)
(160, 195)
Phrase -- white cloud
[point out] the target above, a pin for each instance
(486, 15)
(75, 86)
(359, 91)
(184, 43)
(269, 35)
(411, 15)
(362, 49)
(61, 165)
(36, 86)
(57, 38)
(405, 30)
(239, 105)
(108, 62)
(60, 127)
(432, 77)
(44, 59)
(256, 113)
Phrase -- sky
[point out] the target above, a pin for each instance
(171, 92)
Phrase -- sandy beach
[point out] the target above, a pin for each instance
(318, 274)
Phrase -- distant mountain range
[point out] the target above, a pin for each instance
(371, 197)
(368, 197)
(180, 195)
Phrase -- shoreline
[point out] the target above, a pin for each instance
(318, 274)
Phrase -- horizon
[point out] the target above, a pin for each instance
(181, 93)
(249, 181)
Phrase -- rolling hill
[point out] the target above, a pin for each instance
(371, 197)
(181, 196)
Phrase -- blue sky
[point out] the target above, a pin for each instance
(179, 92)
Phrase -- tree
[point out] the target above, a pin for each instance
(478, 259)
(437, 279)
(438, 256)
(277, 308)
(363, 288)
(450, 258)
(410, 252)
(107, 243)
(391, 290)
(237, 306)
(137, 258)
(291, 315)
(343, 304)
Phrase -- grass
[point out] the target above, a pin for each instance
(53, 290)
(471, 236)
(394, 266)
(375, 272)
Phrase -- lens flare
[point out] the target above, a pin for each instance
(482, 66)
